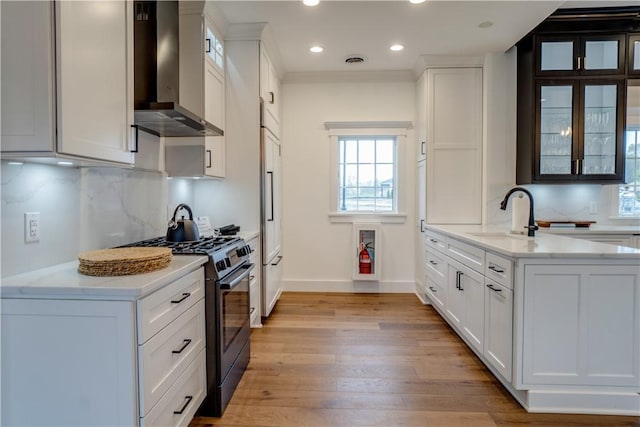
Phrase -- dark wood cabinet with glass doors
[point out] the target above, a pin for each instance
(572, 102)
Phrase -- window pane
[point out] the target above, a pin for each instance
(366, 151)
(601, 55)
(384, 174)
(385, 151)
(352, 150)
(366, 175)
(556, 56)
(351, 175)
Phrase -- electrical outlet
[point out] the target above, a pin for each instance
(31, 227)
(593, 207)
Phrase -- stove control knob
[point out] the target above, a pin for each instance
(243, 251)
(220, 265)
(227, 261)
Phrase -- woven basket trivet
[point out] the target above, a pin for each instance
(123, 261)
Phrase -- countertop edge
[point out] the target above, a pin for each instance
(595, 250)
(47, 282)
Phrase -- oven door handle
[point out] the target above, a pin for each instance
(234, 279)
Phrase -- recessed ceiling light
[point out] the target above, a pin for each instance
(417, 1)
(316, 49)
(396, 47)
(15, 163)
(485, 24)
(310, 2)
(63, 163)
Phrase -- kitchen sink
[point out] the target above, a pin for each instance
(500, 235)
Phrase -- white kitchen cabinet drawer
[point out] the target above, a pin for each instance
(161, 307)
(471, 256)
(436, 267)
(499, 269)
(178, 406)
(164, 357)
(436, 241)
(437, 293)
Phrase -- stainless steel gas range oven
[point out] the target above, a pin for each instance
(227, 312)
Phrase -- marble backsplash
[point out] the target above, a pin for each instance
(558, 202)
(81, 209)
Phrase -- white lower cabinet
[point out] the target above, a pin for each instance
(68, 363)
(465, 302)
(581, 325)
(498, 323)
(478, 308)
(105, 362)
(178, 405)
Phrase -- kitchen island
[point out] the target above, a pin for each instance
(556, 319)
(118, 351)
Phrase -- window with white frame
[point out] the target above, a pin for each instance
(367, 174)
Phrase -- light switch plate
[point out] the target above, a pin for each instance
(593, 207)
(31, 227)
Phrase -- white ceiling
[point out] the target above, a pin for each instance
(364, 27)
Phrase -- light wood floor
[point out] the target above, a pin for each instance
(371, 360)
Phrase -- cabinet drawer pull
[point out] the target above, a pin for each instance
(459, 280)
(495, 268)
(185, 345)
(422, 225)
(208, 50)
(272, 98)
(422, 144)
(251, 277)
(433, 241)
(136, 135)
(189, 399)
(209, 158)
(432, 262)
(432, 289)
(493, 289)
(251, 310)
(185, 295)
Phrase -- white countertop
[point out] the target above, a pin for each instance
(64, 281)
(541, 246)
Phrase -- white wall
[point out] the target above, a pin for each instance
(318, 254)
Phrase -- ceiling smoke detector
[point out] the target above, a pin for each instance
(355, 59)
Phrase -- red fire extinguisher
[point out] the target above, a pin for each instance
(364, 258)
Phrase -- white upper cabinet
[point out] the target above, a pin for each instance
(454, 145)
(214, 86)
(80, 103)
(269, 92)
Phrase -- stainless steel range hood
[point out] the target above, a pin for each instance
(168, 73)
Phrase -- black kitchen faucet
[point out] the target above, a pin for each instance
(532, 227)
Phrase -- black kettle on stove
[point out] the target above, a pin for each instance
(182, 230)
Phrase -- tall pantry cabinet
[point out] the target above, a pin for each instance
(449, 151)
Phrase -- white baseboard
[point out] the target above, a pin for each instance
(598, 402)
(350, 286)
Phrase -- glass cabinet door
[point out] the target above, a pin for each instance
(603, 54)
(634, 55)
(555, 118)
(600, 138)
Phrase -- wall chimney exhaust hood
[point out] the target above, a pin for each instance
(168, 73)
